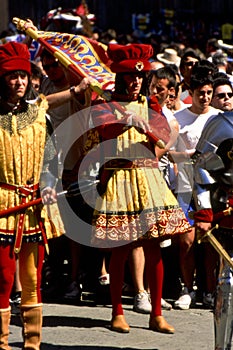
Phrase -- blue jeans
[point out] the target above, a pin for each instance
(186, 202)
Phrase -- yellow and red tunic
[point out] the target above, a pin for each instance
(22, 144)
(136, 201)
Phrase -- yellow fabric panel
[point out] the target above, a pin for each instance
(21, 159)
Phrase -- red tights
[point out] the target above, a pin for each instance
(7, 272)
(154, 273)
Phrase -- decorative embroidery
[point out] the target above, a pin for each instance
(123, 227)
(26, 116)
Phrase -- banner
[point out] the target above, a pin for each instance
(88, 55)
(79, 54)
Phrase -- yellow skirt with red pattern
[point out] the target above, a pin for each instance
(137, 204)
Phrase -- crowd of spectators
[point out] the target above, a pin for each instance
(178, 46)
(185, 60)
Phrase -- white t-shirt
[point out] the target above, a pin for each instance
(191, 126)
(167, 113)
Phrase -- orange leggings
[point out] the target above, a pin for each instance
(31, 258)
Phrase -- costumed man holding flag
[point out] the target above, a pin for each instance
(136, 207)
(24, 162)
(213, 170)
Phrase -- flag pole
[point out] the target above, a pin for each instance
(73, 68)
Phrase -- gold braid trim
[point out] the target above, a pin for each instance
(25, 117)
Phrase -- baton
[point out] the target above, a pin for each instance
(73, 190)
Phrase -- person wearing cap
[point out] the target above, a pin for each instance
(132, 208)
(169, 56)
(24, 140)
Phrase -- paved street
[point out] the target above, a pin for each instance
(86, 326)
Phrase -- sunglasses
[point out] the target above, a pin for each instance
(224, 95)
(172, 96)
(52, 65)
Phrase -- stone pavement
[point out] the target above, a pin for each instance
(86, 327)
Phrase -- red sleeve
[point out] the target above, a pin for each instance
(203, 215)
(154, 104)
(108, 126)
(158, 122)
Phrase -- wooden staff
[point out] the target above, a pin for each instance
(73, 68)
(73, 190)
(19, 208)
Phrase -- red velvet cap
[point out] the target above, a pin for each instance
(130, 58)
(14, 56)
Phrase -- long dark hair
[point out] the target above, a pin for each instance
(4, 90)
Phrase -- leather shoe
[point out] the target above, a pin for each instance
(119, 324)
(159, 324)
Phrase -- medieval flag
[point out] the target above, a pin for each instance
(79, 54)
(88, 56)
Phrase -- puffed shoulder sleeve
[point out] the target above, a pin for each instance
(106, 122)
(158, 122)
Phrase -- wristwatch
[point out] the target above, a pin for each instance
(72, 91)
